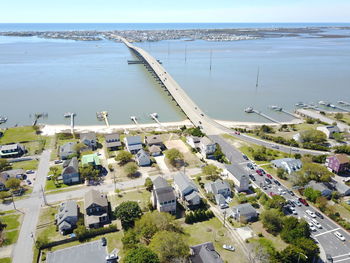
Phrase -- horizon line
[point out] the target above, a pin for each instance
(285, 22)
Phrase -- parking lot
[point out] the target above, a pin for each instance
(91, 252)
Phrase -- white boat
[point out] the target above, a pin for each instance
(3, 119)
(249, 110)
(276, 108)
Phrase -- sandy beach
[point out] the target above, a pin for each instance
(165, 126)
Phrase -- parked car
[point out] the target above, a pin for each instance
(269, 176)
(224, 206)
(297, 203)
(303, 201)
(340, 236)
(103, 241)
(311, 226)
(28, 182)
(30, 171)
(58, 161)
(291, 193)
(250, 165)
(268, 181)
(289, 202)
(238, 133)
(319, 214)
(329, 258)
(277, 182)
(316, 223)
(245, 157)
(310, 213)
(252, 177)
(228, 247)
(275, 146)
(259, 172)
(272, 194)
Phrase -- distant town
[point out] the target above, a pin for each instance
(188, 34)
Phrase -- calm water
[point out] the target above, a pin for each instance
(57, 76)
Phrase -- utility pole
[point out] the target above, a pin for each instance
(13, 202)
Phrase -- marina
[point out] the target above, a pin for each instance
(251, 110)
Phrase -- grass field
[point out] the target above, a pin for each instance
(11, 221)
(141, 196)
(5, 260)
(26, 165)
(11, 231)
(19, 134)
(10, 237)
(50, 185)
(213, 231)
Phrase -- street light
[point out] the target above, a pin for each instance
(301, 254)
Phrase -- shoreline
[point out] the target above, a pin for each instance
(51, 129)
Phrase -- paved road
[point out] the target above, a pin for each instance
(23, 249)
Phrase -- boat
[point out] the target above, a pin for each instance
(321, 102)
(276, 108)
(300, 104)
(3, 119)
(249, 110)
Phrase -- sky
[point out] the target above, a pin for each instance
(167, 11)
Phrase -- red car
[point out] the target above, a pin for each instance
(272, 194)
(259, 172)
(303, 201)
(238, 133)
(269, 176)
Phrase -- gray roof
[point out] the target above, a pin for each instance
(205, 253)
(219, 185)
(206, 141)
(131, 140)
(95, 197)
(317, 186)
(88, 136)
(153, 139)
(8, 147)
(244, 209)
(196, 139)
(72, 166)
(163, 191)
(191, 196)
(67, 148)
(142, 153)
(236, 170)
(13, 173)
(220, 199)
(154, 149)
(67, 209)
(112, 136)
(183, 182)
(291, 162)
(342, 188)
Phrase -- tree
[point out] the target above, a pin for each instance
(339, 116)
(196, 131)
(130, 169)
(313, 136)
(311, 194)
(281, 173)
(55, 174)
(266, 129)
(212, 171)
(130, 239)
(169, 246)
(4, 195)
(292, 254)
(4, 165)
(88, 172)
(127, 212)
(314, 171)
(272, 220)
(218, 154)
(141, 254)
(293, 230)
(174, 156)
(338, 136)
(277, 201)
(148, 184)
(123, 157)
(79, 146)
(13, 183)
(321, 203)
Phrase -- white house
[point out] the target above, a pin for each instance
(206, 146)
(239, 177)
(193, 141)
(143, 158)
(288, 164)
(218, 187)
(163, 197)
(328, 130)
(243, 212)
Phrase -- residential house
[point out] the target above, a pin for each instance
(133, 144)
(338, 163)
(207, 147)
(218, 187)
(67, 216)
(204, 253)
(89, 139)
(221, 201)
(328, 130)
(297, 138)
(11, 150)
(155, 150)
(342, 189)
(91, 159)
(3, 179)
(154, 140)
(325, 191)
(14, 173)
(239, 177)
(113, 141)
(290, 165)
(186, 190)
(163, 196)
(67, 150)
(193, 141)
(70, 174)
(96, 209)
(143, 158)
(243, 212)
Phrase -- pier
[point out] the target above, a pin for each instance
(251, 110)
(154, 116)
(70, 115)
(280, 109)
(37, 116)
(103, 116)
(341, 102)
(134, 119)
(327, 104)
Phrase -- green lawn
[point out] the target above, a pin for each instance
(50, 185)
(11, 221)
(26, 165)
(5, 260)
(141, 196)
(213, 231)
(46, 226)
(19, 134)
(10, 237)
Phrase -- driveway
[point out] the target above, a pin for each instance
(162, 165)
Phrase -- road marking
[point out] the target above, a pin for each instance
(340, 260)
(326, 232)
(341, 255)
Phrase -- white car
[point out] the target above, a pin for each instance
(311, 226)
(340, 236)
(293, 210)
(296, 202)
(228, 247)
(316, 223)
(310, 213)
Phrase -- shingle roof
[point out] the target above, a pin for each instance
(88, 136)
(220, 185)
(67, 209)
(112, 136)
(154, 149)
(191, 196)
(95, 197)
(163, 190)
(205, 253)
(133, 140)
(183, 182)
(236, 170)
(153, 139)
(72, 166)
(159, 182)
(142, 153)
(13, 173)
(244, 209)
(68, 148)
(342, 158)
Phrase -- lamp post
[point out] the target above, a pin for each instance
(301, 254)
